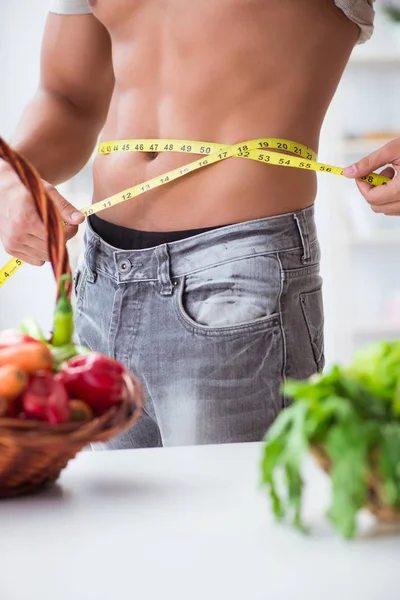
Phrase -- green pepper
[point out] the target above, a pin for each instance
(63, 328)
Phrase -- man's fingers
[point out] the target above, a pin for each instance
(70, 231)
(68, 212)
(28, 259)
(31, 247)
(37, 247)
(390, 153)
(383, 198)
(364, 188)
(391, 209)
(382, 194)
(389, 172)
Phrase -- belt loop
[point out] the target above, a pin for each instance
(302, 226)
(163, 270)
(90, 259)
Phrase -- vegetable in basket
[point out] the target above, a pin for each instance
(96, 379)
(46, 399)
(29, 357)
(61, 344)
(56, 381)
(350, 418)
(36, 441)
(63, 329)
(9, 337)
(12, 382)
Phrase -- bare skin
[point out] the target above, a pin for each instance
(383, 199)
(224, 71)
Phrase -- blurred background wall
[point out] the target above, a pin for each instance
(360, 249)
(21, 26)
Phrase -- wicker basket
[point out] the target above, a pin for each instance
(376, 500)
(33, 453)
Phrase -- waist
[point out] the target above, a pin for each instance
(261, 236)
(231, 191)
(219, 194)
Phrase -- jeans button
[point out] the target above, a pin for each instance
(124, 266)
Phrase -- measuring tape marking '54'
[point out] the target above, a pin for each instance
(262, 150)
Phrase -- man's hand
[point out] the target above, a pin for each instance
(21, 231)
(384, 198)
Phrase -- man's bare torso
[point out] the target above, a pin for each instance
(224, 71)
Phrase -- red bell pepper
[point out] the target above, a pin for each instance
(46, 399)
(9, 337)
(96, 379)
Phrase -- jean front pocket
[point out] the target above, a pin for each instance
(231, 295)
(313, 312)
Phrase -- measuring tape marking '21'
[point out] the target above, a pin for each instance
(261, 150)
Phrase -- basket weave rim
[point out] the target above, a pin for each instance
(32, 432)
(375, 502)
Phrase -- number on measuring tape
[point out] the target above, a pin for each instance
(246, 149)
(367, 178)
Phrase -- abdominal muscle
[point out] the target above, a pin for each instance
(223, 72)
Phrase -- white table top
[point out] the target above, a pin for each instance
(183, 524)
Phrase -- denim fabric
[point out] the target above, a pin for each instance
(211, 324)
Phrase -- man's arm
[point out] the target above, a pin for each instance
(59, 128)
(60, 125)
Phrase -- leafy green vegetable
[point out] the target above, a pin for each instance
(30, 326)
(377, 368)
(347, 446)
(390, 463)
(63, 353)
(352, 414)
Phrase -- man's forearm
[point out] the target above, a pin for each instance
(55, 136)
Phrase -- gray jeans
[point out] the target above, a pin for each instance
(212, 325)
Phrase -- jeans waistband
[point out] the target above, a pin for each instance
(260, 236)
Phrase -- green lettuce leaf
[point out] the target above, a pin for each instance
(348, 447)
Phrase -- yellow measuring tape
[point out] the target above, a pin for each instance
(264, 150)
